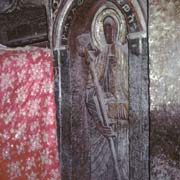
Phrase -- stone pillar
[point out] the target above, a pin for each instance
(139, 107)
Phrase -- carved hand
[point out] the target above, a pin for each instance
(106, 131)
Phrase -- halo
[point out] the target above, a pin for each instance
(97, 35)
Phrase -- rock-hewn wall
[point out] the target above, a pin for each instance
(164, 38)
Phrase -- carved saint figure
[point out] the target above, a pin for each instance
(107, 103)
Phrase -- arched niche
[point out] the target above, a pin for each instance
(73, 19)
(134, 12)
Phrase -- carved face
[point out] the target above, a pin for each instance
(82, 43)
(110, 30)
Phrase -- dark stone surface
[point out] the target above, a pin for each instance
(24, 26)
(139, 112)
(164, 43)
(5, 5)
(66, 122)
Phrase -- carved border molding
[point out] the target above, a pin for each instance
(130, 9)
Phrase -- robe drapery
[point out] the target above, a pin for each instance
(111, 68)
(28, 142)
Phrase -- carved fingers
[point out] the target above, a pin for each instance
(106, 131)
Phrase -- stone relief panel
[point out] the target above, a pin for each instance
(94, 44)
(102, 54)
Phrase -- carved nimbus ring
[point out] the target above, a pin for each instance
(107, 10)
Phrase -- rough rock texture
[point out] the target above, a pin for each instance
(164, 38)
(139, 113)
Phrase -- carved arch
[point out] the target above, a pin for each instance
(124, 5)
(134, 12)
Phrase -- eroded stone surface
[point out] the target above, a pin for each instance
(164, 38)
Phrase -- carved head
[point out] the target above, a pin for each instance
(110, 29)
(82, 42)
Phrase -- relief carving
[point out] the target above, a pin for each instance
(101, 49)
(107, 95)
